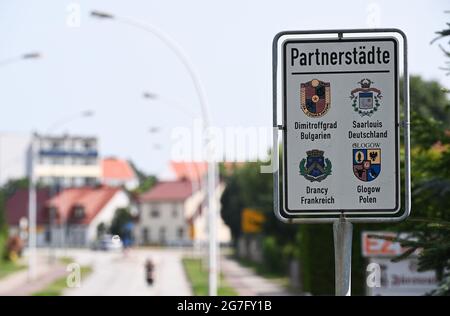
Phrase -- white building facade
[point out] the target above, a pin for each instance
(165, 214)
(66, 161)
(13, 156)
(176, 213)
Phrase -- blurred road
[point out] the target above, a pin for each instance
(115, 273)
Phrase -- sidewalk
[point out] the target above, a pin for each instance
(248, 283)
(17, 283)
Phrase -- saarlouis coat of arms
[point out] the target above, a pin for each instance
(366, 99)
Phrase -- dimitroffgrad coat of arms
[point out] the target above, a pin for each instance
(315, 97)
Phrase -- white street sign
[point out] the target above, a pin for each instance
(340, 110)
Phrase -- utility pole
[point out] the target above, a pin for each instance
(32, 216)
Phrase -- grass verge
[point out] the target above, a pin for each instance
(9, 267)
(198, 278)
(262, 270)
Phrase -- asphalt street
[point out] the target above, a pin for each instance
(118, 273)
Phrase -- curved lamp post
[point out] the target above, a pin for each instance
(212, 170)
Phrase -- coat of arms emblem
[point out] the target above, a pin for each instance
(315, 167)
(365, 99)
(315, 97)
(367, 163)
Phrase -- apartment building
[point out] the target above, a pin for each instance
(65, 161)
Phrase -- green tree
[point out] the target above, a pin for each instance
(428, 100)
(121, 218)
(3, 226)
(443, 34)
(146, 182)
(5, 192)
(101, 229)
(232, 206)
(429, 225)
(247, 187)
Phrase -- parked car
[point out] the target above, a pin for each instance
(108, 243)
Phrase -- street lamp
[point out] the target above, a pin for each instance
(30, 55)
(212, 168)
(66, 120)
(102, 15)
(151, 96)
(192, 169)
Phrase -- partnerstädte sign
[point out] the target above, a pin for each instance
(340, 102)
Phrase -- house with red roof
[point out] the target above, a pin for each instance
(192, 170)
(71, 217)
(17, 214)
(167, 212)
(118, 172)
(175, 212)
(82, 210)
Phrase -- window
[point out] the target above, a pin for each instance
(162, 234)
(57, 161)
(88, 161)
(145, 234)
(175, 210)
(56, 145)
(88, 145)
(180, 232)
(154, 213)
(88, 181)
(78, 212)
(48, 236)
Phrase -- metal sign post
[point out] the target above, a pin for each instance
(342, 234)
(338, 94)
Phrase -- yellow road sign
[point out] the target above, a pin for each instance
(252, 221)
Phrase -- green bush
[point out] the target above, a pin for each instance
(317, 258)
(3, 227)
(3, 255)
(272, 254)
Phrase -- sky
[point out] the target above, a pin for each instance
(105, 66)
